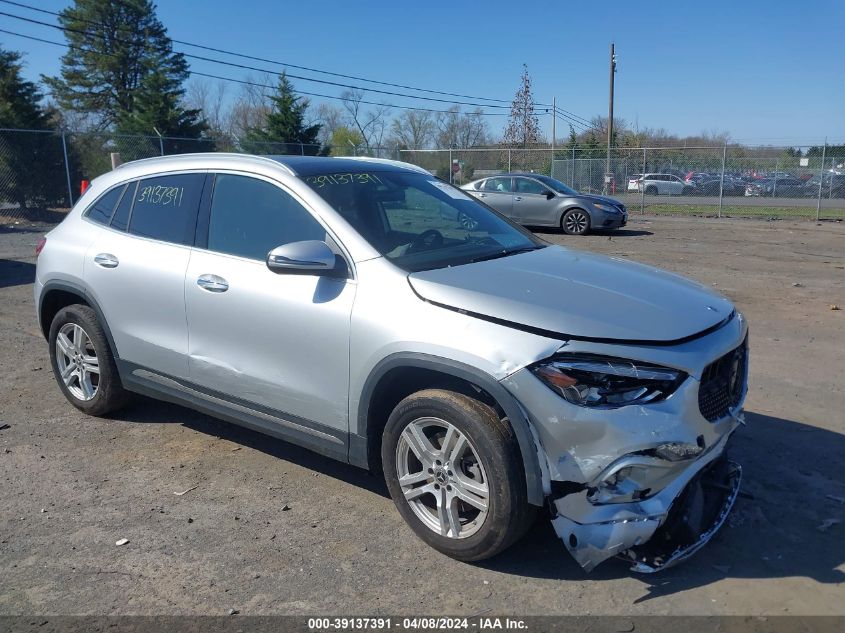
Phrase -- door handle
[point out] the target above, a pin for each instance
(212, 283)
(106, 260)
(517, 198)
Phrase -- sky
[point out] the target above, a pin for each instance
(765, 72)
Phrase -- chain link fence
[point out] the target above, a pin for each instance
(726, 181)
(42, 171)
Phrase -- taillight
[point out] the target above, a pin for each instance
(40, 246)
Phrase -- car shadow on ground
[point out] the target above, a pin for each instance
(792, 526)
(788, 523)
(546, 230)
(15, 273)
(148, 411)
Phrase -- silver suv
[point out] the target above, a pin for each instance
(350, 307)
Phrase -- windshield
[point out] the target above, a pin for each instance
(556, 185)
(419, 222)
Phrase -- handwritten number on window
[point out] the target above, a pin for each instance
(342, 179)
(162, 196)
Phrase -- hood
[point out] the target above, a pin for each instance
(601, 199)
(571, 294)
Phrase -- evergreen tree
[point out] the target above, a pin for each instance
(157, 109)
(121, 69)
(285, 123)
(572, 141)
(31, 167)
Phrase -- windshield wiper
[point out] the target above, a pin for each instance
(504, 253)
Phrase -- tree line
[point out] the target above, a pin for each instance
(123, 88)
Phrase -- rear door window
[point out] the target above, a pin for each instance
(166, 208)
(101, 211)
(502, 185)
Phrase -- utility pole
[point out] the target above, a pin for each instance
(607, 174)
(554, 124)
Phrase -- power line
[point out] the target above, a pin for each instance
(246, 82)
(581, 127)
(568, 115)
(263, 70)
(315, 70)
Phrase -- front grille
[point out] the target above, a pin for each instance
(723, 383)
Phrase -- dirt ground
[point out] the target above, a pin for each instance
(73, 485)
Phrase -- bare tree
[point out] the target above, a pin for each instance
(210, 98)
(413, 129)
(462, 130)
(252, 106)
(370, 123)
(330, 118)
(523, 128)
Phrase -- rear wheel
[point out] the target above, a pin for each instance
(575, 222)
(82, 362)
(455, 474)
(651, 190)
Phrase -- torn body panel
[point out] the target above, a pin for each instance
(595, 532)
(620, 475)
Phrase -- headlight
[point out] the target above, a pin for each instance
(599, 381)
(605, 207)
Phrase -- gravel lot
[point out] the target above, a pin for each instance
(72, 485)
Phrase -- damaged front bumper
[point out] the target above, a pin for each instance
(657, 532)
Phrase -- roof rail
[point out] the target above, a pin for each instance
(215, 155)
(388, 161)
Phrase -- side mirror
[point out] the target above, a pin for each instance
(310, 257)
(549, 194)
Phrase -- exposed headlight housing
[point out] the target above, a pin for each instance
(606, 207)
(600, 381)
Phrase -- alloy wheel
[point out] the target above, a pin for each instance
(575, 222)
(442, 478)
(77, 361)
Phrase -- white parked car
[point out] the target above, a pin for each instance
(657, 184)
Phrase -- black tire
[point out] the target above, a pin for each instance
(109, 394)
(575, 222)
(651, 190)
(509, 514)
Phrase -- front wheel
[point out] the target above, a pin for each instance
(454, 471)
(575, 222)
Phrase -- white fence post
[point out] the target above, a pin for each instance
(821, 179)
(642, 187)
(67, 171)
(722, 181)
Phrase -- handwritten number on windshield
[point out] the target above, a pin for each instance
(342, 179)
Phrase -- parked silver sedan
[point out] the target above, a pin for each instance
(537, 200)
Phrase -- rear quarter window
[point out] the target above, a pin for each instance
(165, 208)
(120, 219)
(101, 211)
